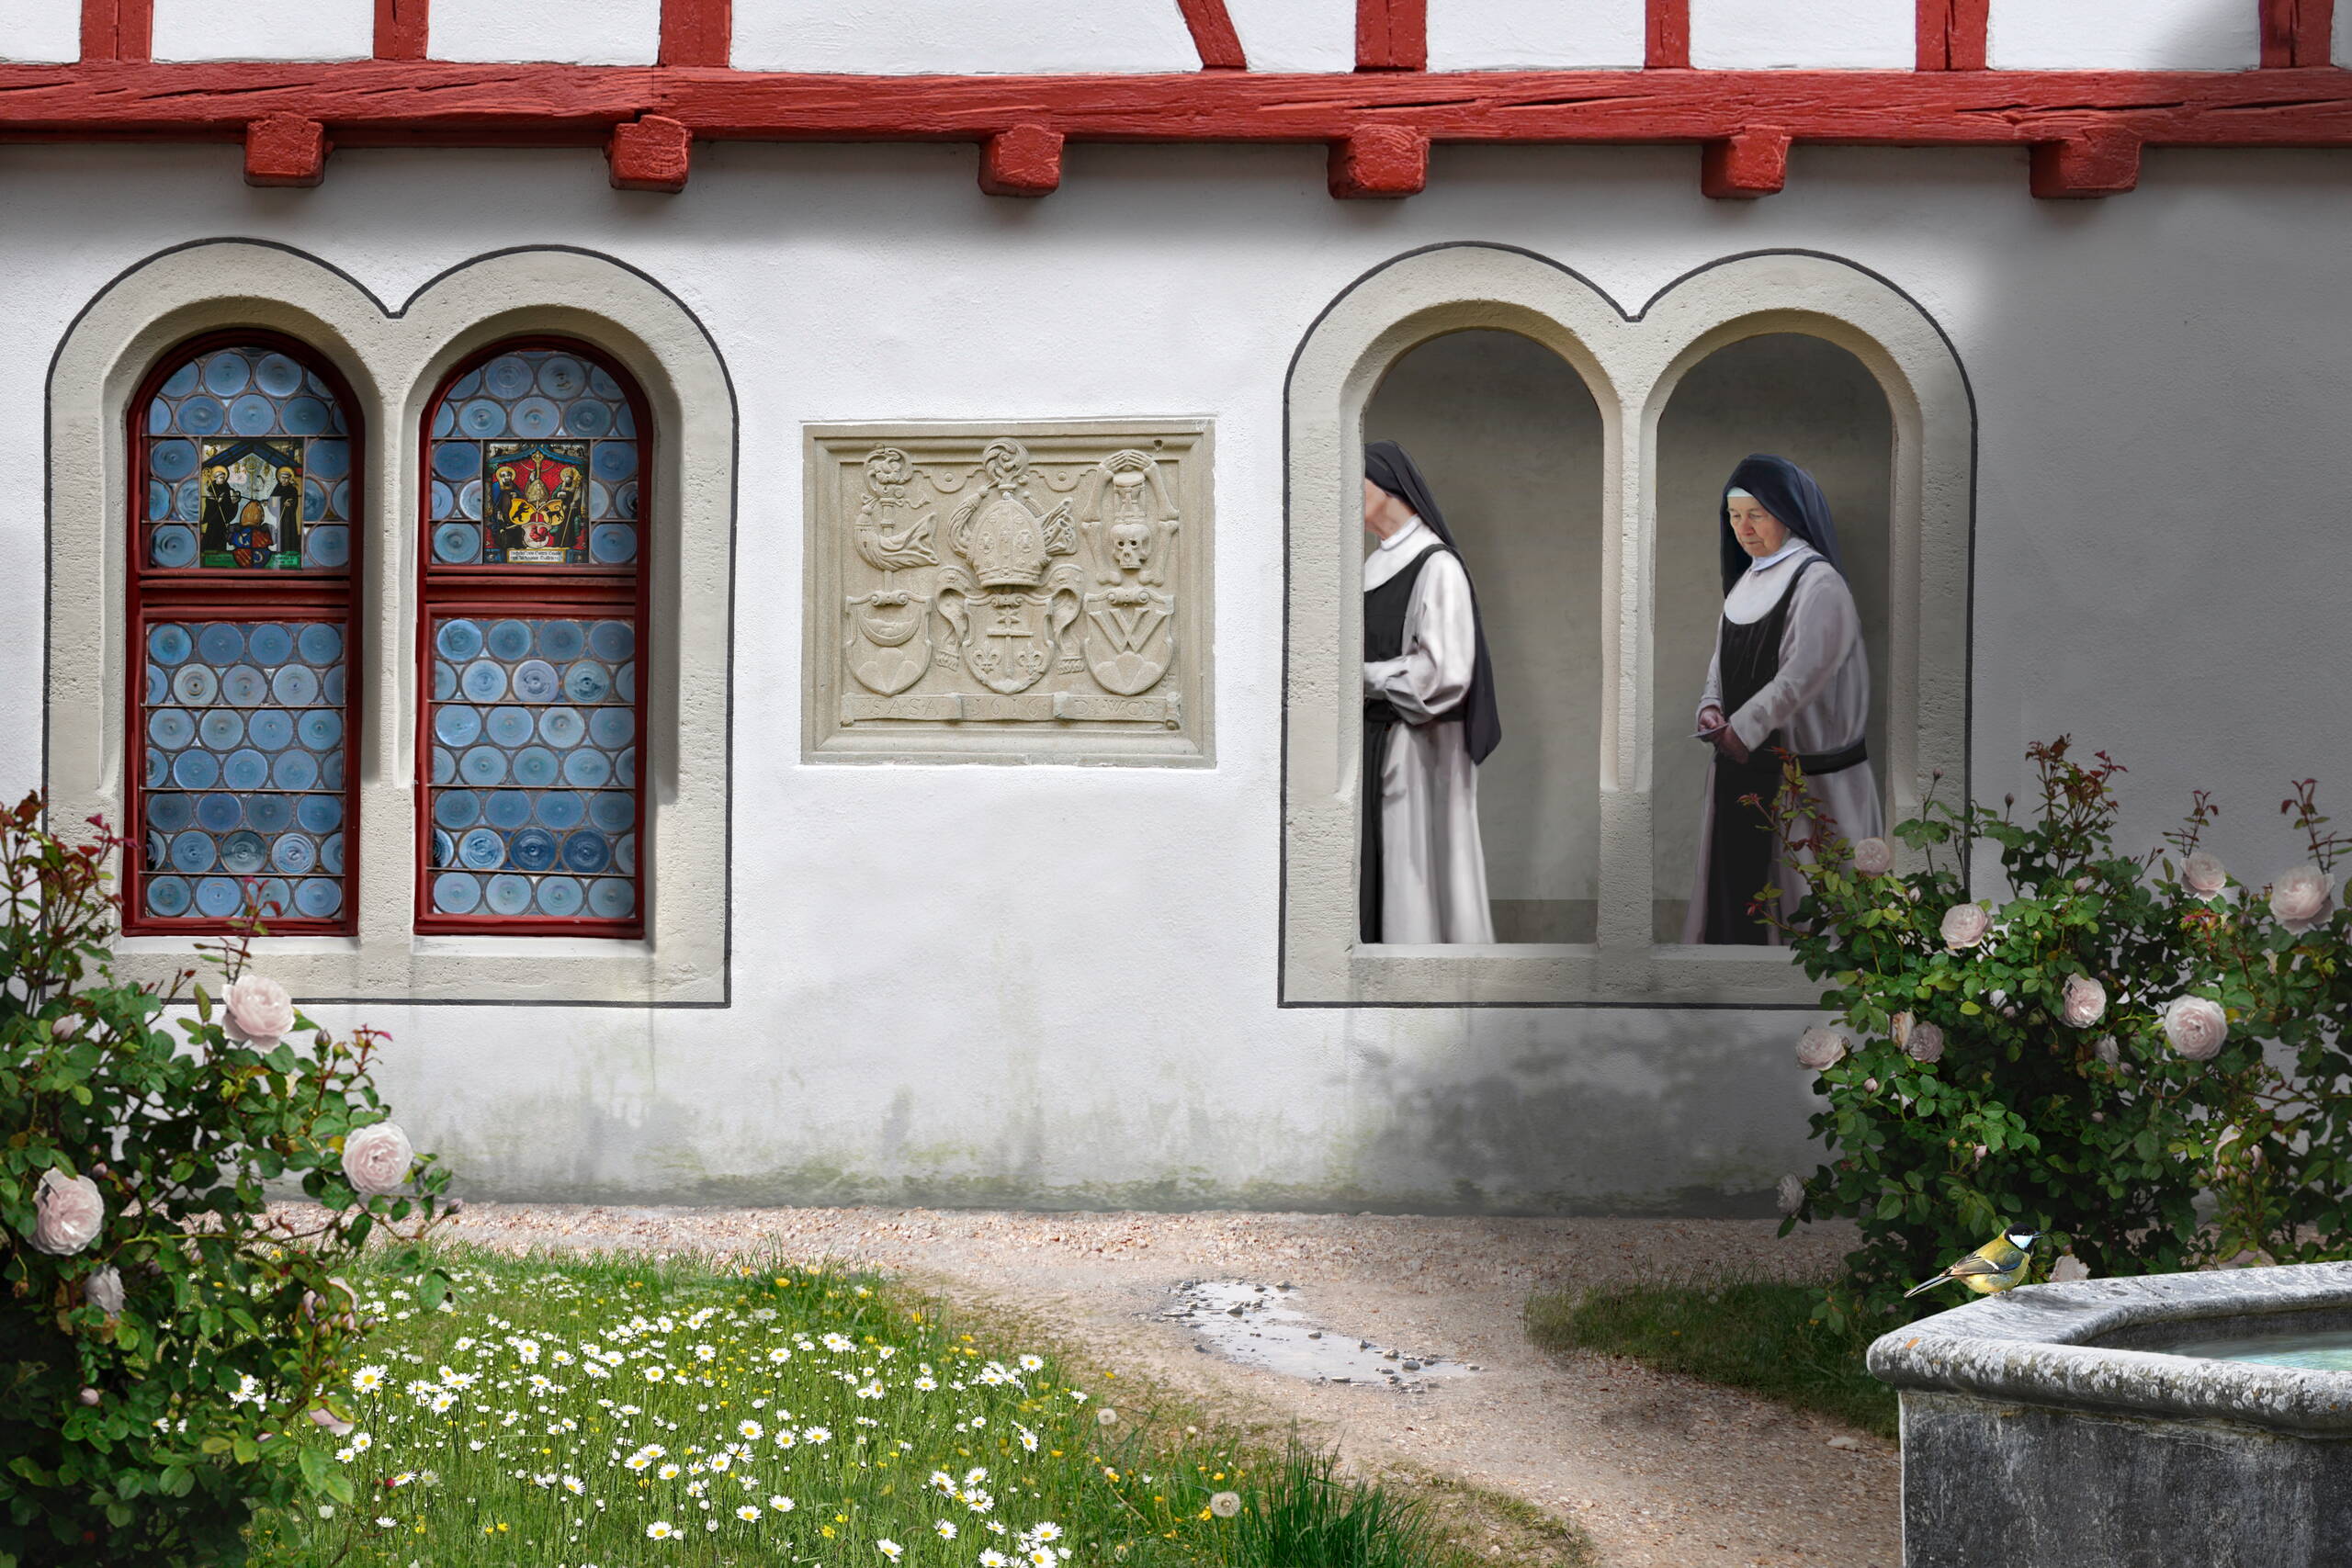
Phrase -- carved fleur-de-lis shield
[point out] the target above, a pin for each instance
(1130, 638)
(887, 639)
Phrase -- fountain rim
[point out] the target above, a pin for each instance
(2027, 1346)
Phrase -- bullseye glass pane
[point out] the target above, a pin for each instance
(535, 817)
(242, 809)
(247, 459)
(535, 457)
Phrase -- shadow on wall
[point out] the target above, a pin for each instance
(1683, 1113)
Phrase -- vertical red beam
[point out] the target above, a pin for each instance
(697, 32)
(118, 29)
(2297, 32)
(400, 29)
(1392, 35)
(1214, 37)
(1667, 46)
(1951, 34)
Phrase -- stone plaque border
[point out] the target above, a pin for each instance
(844, 720)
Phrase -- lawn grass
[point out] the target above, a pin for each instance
(616, 1412)
(1758, 1336)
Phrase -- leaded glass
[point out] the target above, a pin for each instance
(242, 723)
(535, 461)
(533, 768)
(247, 466)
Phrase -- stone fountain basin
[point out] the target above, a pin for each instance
(2043, 1427)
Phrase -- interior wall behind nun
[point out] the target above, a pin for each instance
(1510, 438)
(1805, 400)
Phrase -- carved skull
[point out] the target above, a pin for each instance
(1131, 544)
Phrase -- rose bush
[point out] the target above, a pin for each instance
(152, 1325)
(2115, 1050)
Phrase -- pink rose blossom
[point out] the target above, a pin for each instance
(2068, 1267)
(1873, 857)
(331, 1422)
(2109, 1051)
(67, 1214)
(1820, 1049)
(2084, 1002)
(1926, 1044)
(260, 1012)
(90, 1396)
(2196, 1027)
(1791, 1194)
(2301, 898)
(376, 1158)
(2204, 876)
(1965, 925)
(103, 1291)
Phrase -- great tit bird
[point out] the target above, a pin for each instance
(1995, 1266)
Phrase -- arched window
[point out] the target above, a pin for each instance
(245, 480)
(532, 645)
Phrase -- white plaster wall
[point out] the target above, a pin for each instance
(1510, 35)
(40, 31)
(1295, 35)
(264, 29)
(2123, 35)
(579, 32)
(1055, 985)
(1880, 35)
(902, 36)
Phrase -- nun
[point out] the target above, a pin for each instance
(1428, 718)
(1789, 675)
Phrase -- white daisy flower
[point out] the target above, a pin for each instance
(890, 1549)
(816, 1433)
(781, 1503)
(946, 1528)
(747, 1513)
(368, 1379)
(659, 1529)
(1033, 1363)
(750, 1431)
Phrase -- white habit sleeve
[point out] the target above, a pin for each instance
(1432, 675)
(1822, 627)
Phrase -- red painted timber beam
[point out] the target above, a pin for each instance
(118, 29)
(400, 28)
(2085, 120)
(1214, 37)
(697, 32)
(1667, 35)
(1952, 34)
(2297, 33)
(1392, 35)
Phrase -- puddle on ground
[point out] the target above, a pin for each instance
(1261, 1325)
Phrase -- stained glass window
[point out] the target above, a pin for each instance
(244, 451)
(532, 645)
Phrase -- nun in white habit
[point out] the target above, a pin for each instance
(1428, 718)
(1789, 674)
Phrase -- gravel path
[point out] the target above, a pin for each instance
(1661, 1472)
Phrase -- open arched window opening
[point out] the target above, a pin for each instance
(1812, 401)
(1510, 440)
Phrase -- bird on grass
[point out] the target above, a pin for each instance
(1994, 1266)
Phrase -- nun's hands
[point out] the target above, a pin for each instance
(1723, 737)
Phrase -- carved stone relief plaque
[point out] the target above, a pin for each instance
(1005, 592)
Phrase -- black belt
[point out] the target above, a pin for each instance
(1379, 720)
(1821, 763)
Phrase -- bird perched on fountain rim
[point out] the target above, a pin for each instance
(1994, 1266)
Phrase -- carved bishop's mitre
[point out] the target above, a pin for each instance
(1007, 543)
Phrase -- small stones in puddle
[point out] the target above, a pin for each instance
(1249, 1323)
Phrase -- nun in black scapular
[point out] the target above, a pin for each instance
(1428, 718)
(1789, 674)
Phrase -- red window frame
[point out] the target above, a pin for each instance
(535, 594)
(236, 594)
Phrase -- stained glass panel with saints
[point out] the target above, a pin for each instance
(535, 458)
(247, 466)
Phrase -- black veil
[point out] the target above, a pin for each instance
(1787, 492)
(1385, 465)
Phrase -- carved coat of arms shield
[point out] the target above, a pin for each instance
(887, 639)
(1130, 638)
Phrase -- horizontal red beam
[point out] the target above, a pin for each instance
(378, 103)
